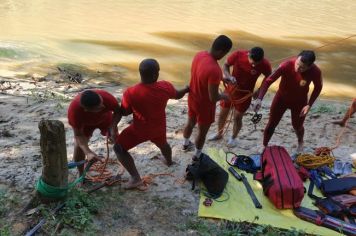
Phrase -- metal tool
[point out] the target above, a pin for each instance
(247, 186)
(256, 118)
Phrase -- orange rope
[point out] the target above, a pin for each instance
(148, 179)
(104, 174)
(328, 150)
(234, 102)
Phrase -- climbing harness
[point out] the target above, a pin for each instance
(256, 118)
(242, 162)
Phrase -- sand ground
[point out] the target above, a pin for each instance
(24, 102)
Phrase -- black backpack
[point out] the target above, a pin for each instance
(210, 173)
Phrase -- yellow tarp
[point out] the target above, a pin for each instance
(239, 206)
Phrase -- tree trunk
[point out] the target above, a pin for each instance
(54, 153)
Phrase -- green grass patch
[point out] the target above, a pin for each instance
(3, 209)
(5, 230)
(229, 228)
(76, 216)
(323, 108)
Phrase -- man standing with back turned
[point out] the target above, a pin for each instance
(147, 102)
(297, 74)
(206, 75)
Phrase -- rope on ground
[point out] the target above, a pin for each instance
(104, 174)
(311, 161)
(325, 151)
(148, 179)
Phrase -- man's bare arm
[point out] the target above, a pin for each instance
(115, 121)
(82, 142)
(180, 93)
(214, 94)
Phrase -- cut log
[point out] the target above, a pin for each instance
(54, 153)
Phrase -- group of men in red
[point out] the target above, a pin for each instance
(147, 101)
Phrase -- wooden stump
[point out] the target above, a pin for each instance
(54, 153)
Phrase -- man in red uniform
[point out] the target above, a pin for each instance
(88, 111)
(247, 67)
(206, 75)
(348, 114)
(147, 102)
(297, 74)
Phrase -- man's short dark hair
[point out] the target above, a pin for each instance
(90, 99)
(149, 69)
(307, 57)
(256, 54)
(222, 43)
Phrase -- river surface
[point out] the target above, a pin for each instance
(39, 34)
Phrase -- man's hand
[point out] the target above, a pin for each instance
(187, 89)
(112, 135)
(224, 96)
(257, 105)
(230, 79)
(255, 94)
(304, 111)
(93, 157)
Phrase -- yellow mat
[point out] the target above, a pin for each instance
(239, 206)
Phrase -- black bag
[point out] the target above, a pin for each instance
(332, 187)
(210, 173)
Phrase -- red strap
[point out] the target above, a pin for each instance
(258, 176)
(318, 220)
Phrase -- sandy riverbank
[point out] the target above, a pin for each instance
(23, 103)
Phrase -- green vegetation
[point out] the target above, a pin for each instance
(4, 227)
(44, 95)
(323, 108)
(77, 213)
(228, 228)
(5, 230)
(80, 217)
(3, 209)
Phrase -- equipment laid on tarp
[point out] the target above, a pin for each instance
(243, 162)
(247, 185)
(280, 179)
(319, 218)
(211, 174)
(238, 207)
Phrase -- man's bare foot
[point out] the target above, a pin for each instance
(300, 148)
(135, 184)
(163, 159)
(339, 122)
(215, 137)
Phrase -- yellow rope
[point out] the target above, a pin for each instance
(311, 161)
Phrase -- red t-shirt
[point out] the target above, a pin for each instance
(294, 86)
(205, 70)
(148, 103)
(79, 118)
(246, 75)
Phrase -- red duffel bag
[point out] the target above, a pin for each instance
(280, 180)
